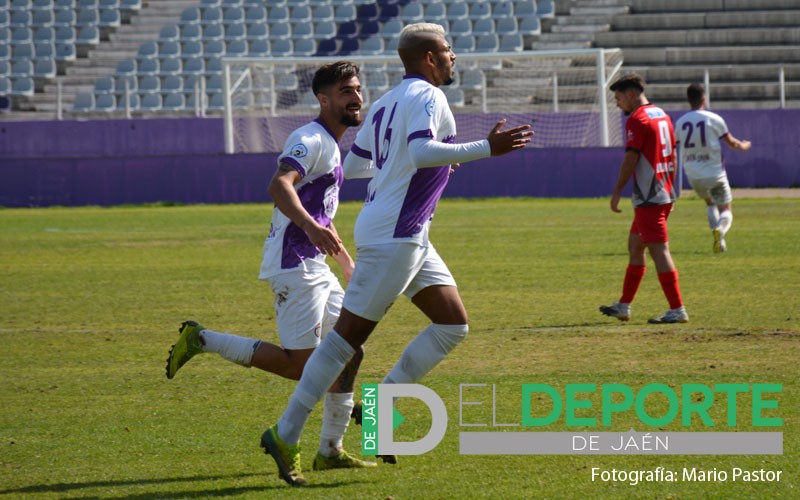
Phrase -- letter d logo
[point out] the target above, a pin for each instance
(387, 393)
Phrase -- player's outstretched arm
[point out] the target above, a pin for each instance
(735, 143)
(506, 141)
(426, 152)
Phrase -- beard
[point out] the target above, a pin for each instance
(447, 73)
(351, 121)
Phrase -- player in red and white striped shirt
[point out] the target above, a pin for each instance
(650, 160)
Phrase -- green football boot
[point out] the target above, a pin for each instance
(343, 460)
(286, 456)
(357, 415)
(185, 348)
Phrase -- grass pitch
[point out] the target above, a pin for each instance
(92, 299)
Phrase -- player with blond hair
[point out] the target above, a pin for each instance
(407, 145)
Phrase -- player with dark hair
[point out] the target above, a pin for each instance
(699, 134)
(407, 146)
(308, 296)
(650, 160)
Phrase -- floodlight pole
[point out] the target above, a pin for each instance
(127, 98)
(59, 100)
(226, 94)
(555, 91)
(601, 97)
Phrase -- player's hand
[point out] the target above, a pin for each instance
(323, 238)
(506, 141)
(745, 145)
(453, 167)
(615, 203)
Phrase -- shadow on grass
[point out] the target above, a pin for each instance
(217, 492)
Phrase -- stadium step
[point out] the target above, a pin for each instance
(567, 37)
(699, 37)
(574, 20)
(603, 3)
(712, 55)
(138, 37)
(710, 20)
(752, 91)
(92, 72)
(708, 5)
(556, 45)
(726, 73)
(599, 10)
(580, 28)
(73, 90)
(120, 45)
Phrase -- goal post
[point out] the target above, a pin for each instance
(563, 93)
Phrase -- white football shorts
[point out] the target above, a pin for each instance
(306, 306)
(716, 188)
(383, 272)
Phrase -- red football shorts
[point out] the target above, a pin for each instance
(650, 223)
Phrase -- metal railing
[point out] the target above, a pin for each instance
(201, 105)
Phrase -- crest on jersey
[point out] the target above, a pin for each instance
(299, 150)
(430, 106)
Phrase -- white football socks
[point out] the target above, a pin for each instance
(325, 364)
(234, 348)
(335, 418)
(425, 352)
(725, 221)
(713, 216)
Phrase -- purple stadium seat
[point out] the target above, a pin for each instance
(349, 46)
(327, 47)
(389, 11)
(368, 12)
(349, 29)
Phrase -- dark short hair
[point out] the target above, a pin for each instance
(333, 73)
(627, 82)
(695, 93)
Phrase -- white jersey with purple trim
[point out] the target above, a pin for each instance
(698, 133)
(401, 199)
(314, 152)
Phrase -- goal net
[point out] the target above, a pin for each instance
(563, 93)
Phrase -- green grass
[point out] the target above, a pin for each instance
(91, 298)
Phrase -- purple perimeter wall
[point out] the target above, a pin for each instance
(112, 162)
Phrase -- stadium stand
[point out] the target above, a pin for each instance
(743, 44)
(81, 43)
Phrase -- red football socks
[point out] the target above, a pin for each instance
(669, 283)
(633, 278)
